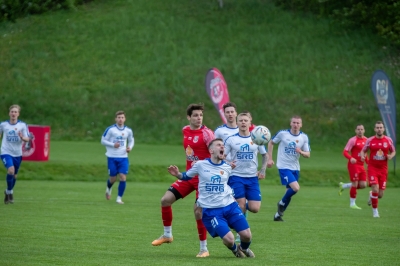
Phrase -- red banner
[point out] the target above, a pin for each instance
(217, 90)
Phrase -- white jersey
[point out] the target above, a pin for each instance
(214, 191)
(115, 134)
(244, 152)
(223, 132)
(11, 143)
(287, 157)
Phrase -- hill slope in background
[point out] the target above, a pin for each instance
(74, 70)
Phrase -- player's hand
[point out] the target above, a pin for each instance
(21, 136)
(362, 158)
(390, 156)
(352, 160)
(270, 163)
(173, 170)
(128, 149)
(261, 174)
(116, 144)
(232, 164)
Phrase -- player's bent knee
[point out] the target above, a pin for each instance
(245, 235)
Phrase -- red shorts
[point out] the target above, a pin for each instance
(377, 176)
(186, 187)
(357, 172)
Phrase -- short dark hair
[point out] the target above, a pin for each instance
(214, 140)
(194, 106)
(119, 113)
(229, 104)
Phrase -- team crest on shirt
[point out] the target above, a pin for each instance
(297, 141)
(385, 145)
(196, 139)
(221, 172)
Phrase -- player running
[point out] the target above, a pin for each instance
(220, 210)
(196, 138)
(381, 149)
(355, 167)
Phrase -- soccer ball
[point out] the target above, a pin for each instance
(260, 135)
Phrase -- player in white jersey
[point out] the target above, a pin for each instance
(220, 210)
(292, 144)
(230, 128)
(244, 177)
(119, 141)
(14, 133)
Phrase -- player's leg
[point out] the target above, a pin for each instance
(122, 169)
(176, 191)
(253, 194)
(358, 182)
(240, 224)
(239, 193)
(289, 178)
(343, 186)
(9, 165)
(198, 214)
(112, 173)
(373, 180)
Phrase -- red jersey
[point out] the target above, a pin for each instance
(354, 146)
(195, 143)
(379, 149)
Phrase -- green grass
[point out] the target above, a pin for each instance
(70, 223)
(73, 70)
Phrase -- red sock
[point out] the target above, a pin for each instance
(374, 199)
(201, 229)
(166, 214)
(353, 192)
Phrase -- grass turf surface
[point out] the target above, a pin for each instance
(71, 223)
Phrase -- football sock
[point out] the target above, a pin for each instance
(109, 184)
(374, 199)
(346, 185)
(168, 231)
(10, 181)
(166, 215)
(121, 188)
(203, 245)
(276, 215)
(285, 199)
(353, 192)
(287, 203)
(14, 181)
(201, 229)
(234, 247)
(352, 201)
(244, 245)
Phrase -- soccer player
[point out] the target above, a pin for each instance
(292, 144)
(220, 210)
(230, 128)
(15, 132)
(244, 177)
(355, 167)
(381, 149)
(119, 141)
(196, 138)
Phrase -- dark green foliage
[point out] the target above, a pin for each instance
(13, 9)
(382, 16)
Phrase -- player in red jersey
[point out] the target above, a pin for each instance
(196, 138)
(355, 167)
(381, 149)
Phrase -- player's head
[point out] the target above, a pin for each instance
(120, 118)
(248, 113)
(360, 131)
(194, 114)
(295, 124)
(216, 148)
(14, 111)
(244, 121)
(379, 128)
(230, 112)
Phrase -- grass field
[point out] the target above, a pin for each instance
(71, 223)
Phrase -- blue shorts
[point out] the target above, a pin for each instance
(245, 187)
(117, 166)
(218, 221)
(9, 161)
(288, 176)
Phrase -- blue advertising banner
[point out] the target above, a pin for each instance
(384, 96)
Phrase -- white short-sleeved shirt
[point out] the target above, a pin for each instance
(223, 132)
(11, 143)
(287, 157)
(214, 191)
(244, 152)
(115, 134)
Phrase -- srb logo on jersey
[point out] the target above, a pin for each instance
(12, 136)
(291, 148)
(215, 186)
(245, 153)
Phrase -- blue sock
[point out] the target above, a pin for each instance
(244, 245)
(10, 182)
(109, 185)
(233, 248)
(287, 197)
(121, 188)
(14, 181)
(287, 203)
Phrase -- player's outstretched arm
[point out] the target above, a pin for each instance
(261, 173)
(270, 161)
